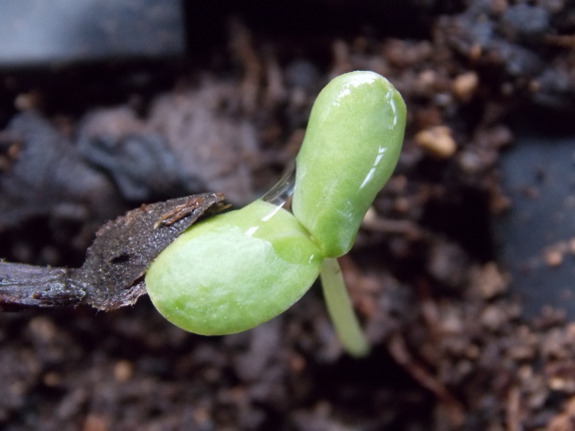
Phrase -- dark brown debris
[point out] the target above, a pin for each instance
(112, 275)
(135, 156)
(43, 174)
(452, 348)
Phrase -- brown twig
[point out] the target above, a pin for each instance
(112, 275)
(400, 353)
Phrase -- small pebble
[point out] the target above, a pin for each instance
(123, 370)
(465, 86)
(52, 379)
(94, 423)
(557, 383)
(370, 216)
(553, 258)
(437, 141)
(27, 101)
(488, 281)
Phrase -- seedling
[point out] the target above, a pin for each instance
(237, 270)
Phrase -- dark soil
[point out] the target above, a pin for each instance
(452, 349)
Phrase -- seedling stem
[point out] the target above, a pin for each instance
(341, 310)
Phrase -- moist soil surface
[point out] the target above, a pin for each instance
(452, 348)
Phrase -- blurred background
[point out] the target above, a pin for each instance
(462, 273)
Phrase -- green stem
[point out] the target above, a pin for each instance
(341, 311)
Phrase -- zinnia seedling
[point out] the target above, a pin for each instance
(237, 270)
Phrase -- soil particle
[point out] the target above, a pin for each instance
(137, 158)
(47, 176)
(465, 86)
(451, 347)
(437, 141)
(209, 136)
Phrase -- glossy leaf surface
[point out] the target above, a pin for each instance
(234, 271)
(352, 144)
